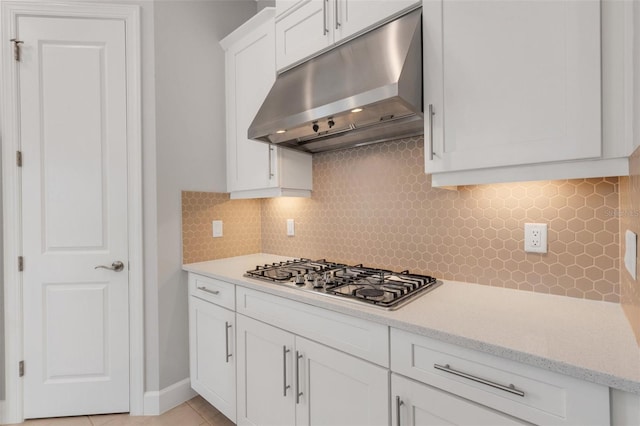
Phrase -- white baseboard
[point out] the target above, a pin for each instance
(158, 402)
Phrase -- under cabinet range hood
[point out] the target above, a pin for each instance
(366, 90)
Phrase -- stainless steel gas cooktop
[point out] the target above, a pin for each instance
(377, 287)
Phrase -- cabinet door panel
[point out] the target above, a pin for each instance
(250, 160)
(262, 369)
(354, 16)
(304, 32)
(338, 389)
(213, 374)
(424, 405)
(512, 82)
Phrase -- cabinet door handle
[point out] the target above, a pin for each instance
(270, 160)
(398, 404)
(227, 326)
(324, 17)
(335, 13)
(285, 351)
(447, 369)
(431, 153)
(206, 290)
(298, 393)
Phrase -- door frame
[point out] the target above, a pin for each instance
(10, 11)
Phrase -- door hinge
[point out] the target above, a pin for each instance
(19, 158)
(21, 369)
(20, 263)
(16, 48)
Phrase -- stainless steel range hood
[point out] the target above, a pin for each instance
(364, 91)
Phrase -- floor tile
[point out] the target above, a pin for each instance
(117, 420)
(196, 412)
(60, 421)
(182, 415)
(207, 411)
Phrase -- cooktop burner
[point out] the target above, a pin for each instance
(378, 287)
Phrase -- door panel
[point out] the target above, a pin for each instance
(339, 389)
(304, 32)
(72, 86)
(512, 82)
(353, 16)
(213, 373)
(263, 371)
(423, 405)
(72, 79)
(75, 350)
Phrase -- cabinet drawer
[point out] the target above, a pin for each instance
(212, 290)
(357, 337)
(547, 398)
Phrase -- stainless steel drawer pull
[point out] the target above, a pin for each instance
(398, 404)
(206, 290)
(227, 326)
(298, 393)
(447, 369)
(285, 386)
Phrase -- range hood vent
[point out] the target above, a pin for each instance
(366, 90)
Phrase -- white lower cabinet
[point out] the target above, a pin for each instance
(416, 404)
(284, 379)
(212, 359)
(296, 364)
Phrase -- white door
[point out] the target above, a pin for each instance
(74, 198)
(415, 404)
(266, 384)
(339, 389)
(211, 348)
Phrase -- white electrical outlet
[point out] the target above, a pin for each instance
(535, 237)
(291, 230)
(217, 228)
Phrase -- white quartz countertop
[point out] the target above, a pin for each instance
(585, 339)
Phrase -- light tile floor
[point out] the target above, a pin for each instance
(195, 412)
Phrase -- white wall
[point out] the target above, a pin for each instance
(636, 74)
(2, 378)
(190, 147)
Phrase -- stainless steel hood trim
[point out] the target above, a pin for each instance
(380, 71)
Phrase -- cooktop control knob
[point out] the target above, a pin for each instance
(299, 279)
(318, 282)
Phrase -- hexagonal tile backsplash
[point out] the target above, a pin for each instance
(375, 205)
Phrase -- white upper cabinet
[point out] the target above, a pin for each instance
(306, 27)
(513, 83)
(256, 169)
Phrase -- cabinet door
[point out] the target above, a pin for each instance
(304, 32)
(354, 16)
(511, 82)
(212, 354)
(338, 389)
(265, 380)
(251, 71)
(422, 405)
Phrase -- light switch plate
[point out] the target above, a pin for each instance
(630, 252)
(217, 228)
(291, 230)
